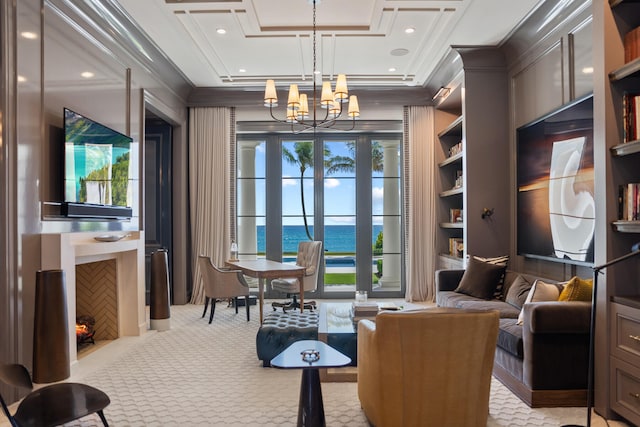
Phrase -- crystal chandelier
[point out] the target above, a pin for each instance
(298, 104)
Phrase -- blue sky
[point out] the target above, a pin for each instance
(339, 190)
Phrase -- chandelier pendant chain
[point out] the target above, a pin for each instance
(297, 104)
(313, 72)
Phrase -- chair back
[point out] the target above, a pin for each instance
(220, 283)
(17, 376)
(432, 364)
(309, 255)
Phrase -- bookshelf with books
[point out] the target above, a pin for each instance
(451, 186)
(617, 155)
(472, 157)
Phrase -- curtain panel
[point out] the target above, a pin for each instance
(419, 202)
(211, 188)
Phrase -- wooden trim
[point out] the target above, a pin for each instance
(540, 398)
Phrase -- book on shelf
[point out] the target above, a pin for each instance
(456, 247)
(632, 45)
(631, 116)
(456, 149)
(629, 202)
(455, 215)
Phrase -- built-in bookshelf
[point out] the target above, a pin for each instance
(472, 159)
(616, 127)
(451, 210)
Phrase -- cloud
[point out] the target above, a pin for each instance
(377, 193)
(289, 182)
(331, 183)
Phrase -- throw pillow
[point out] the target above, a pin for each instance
(518, 292)
(480, 279)
(499, 260)
(541, 291)
(577, 289)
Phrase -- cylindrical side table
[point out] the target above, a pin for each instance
(159, 298)
(51, 360)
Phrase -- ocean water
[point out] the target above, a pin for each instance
(337, 238)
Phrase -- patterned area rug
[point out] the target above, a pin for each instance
(198, 374)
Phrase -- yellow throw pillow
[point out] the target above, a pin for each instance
(577, 289)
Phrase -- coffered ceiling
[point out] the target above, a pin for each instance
(376, 43)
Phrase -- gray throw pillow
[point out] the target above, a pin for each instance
(480, 279)
(518, 291)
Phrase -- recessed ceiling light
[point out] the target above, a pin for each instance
(399, 52)
(316, 72)
(22, 79)
(392, 69)
(221, 31)
(587, 70)
(87, 74)
(409, 30)
(29, 35)
(242, 70)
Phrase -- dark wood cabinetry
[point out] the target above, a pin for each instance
(617, 157)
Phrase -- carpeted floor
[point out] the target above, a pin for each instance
(198, 374)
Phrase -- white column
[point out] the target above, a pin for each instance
(247, 230)
(391, 223)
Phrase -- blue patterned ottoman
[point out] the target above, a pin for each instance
(280, 329)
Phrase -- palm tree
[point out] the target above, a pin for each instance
(348, 163)
(303, 157)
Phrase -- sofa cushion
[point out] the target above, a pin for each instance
(541, 291)
(451, 298)
(480, 279)
(499, 260)
(518, 291)
(510, 337)
(577, 289)
(505, 310)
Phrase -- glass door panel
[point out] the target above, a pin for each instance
(339, 201)
(386, 216)
(297, 196)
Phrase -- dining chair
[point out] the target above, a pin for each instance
(222, 284)
(309, 255)
(51, 405)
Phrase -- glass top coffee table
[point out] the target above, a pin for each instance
(336, 328)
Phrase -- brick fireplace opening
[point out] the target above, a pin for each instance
(97, 297)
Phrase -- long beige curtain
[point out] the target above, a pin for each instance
(420, 202)
(211, 169)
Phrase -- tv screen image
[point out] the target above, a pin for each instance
(555, 180)
(97, 162)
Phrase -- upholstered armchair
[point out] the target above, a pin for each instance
(427, 367)
(309, 255)
(222, 284)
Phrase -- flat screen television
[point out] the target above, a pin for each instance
(555, 185)
(96, 163)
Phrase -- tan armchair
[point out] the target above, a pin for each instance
(309, 255)
(429, 367)
(222, 284)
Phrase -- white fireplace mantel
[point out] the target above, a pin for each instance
(66, 250)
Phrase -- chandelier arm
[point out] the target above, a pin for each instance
(275, 118)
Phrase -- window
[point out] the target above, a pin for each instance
(344, 190)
